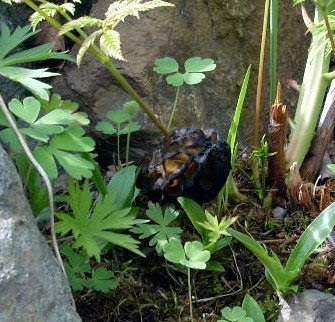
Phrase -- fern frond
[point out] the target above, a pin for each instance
(82, 22)
(88, 42)
(110, 44)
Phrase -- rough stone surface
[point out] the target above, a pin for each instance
(33, 287)
(309, 306)
(229, 31)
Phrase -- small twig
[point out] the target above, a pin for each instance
(45, 179)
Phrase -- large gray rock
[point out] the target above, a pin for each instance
(229, 31)
(309, 306)
(32, 285)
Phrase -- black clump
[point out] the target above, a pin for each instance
(188, 162)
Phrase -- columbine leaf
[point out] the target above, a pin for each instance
(118, 116)
(98, 223)
(196, 255)
(174, 251)
(28, 110)
(193, 78)
(166, 65)
(74, 165)
(176, 79)
(199, 65)
(106, 127)
(102, 280)
(64, 117)
(161, 231)
(73, 139)
(56, 102)
(110, 44)
(27, 78)
(47, 161)
(7, 136)
(35, 134)
(130, 128)
(131, 108)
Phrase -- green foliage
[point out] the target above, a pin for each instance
(194, 70)
(78, 269)
(205, 225)
(95, 223)
(110, 40)
(216, 229)
(161, 231)
(249, 312)
(50, 9)
(192, 255)
(236, 314)
(122, 124)
(26, 77)
(230, 188)
(280, 277)
(253, 309)
(261, 154)
(58, 134)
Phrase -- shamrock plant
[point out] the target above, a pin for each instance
(81, 275)
(191, 255)
(58, 135)
(160, 230)
(122, 123)
(29, 78)
(194, 74)
(95, 223)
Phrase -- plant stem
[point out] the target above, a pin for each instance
(95, 51)
(313, 90)
(258, 106)
(118, 145)
(174, 108)
(274, 17)
(128, 144)
(190, 292)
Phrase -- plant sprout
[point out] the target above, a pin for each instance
(194, 74)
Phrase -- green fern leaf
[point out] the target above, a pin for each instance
(82, 22)
(88, 42)
(110, 44)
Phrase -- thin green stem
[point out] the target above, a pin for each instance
(128, 144)
(274, 18)
(95, 51)
(258, 107)
(174, 108)
(118, 145)
(190, 292)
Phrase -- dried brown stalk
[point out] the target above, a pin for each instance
(277, 141)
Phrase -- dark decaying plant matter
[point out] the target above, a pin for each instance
(188, 162)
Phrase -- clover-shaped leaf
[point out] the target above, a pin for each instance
(174, 251)
(196, 255)
(199, 65)
(161, 231)
(192, 255)
(131, 108)
(102, 280)
(236, 314)
(166, 65)
(194, 70)
(28, 110)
